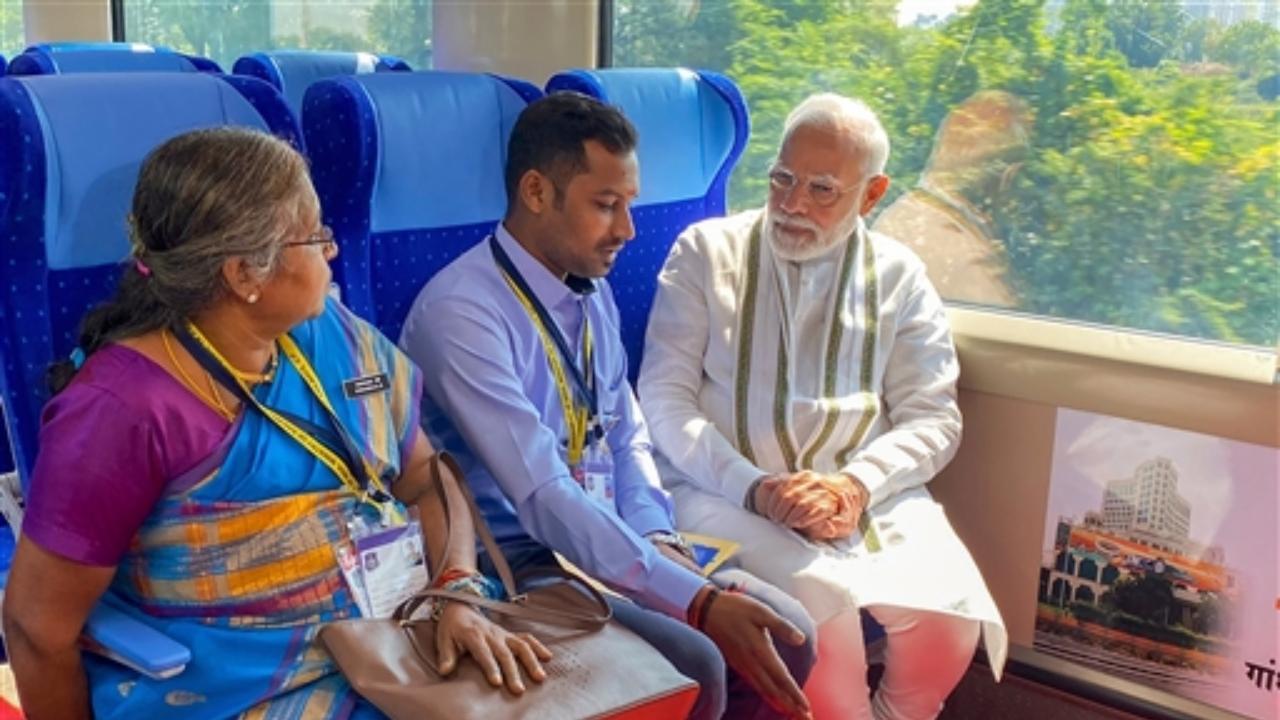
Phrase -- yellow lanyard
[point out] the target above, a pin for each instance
(576, 416)
(321, 452)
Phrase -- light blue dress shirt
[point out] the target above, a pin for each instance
(492, 402)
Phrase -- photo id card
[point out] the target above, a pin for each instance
(595, 473)
(385, 568)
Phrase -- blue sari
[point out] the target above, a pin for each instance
(236, 561)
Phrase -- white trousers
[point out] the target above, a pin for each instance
(925, 655)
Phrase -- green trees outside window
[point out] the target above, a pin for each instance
(1129, 169)
(11, 42)
(226, 29)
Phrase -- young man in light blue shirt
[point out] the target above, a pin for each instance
(527, 386)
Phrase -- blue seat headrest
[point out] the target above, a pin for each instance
(688, 126)
(94, 156)
(293, 71)
(79, 45)
(70, 149)
(693, 127)
(90, 57)
(398, 158)
(440, 135)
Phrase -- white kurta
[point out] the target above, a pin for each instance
(755, 365)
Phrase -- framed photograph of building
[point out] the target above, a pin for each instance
(1160, 560)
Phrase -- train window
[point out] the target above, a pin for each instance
(1113, 163)
(224, 30)
(11, 39)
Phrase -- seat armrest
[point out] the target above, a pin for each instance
(114, 635)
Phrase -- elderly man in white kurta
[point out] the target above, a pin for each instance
(800, 384)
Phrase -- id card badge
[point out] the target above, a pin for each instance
(595, 473)
(349, 563)
(385, 568)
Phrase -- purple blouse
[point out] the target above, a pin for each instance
(110, 442)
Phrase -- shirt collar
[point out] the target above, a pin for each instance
(550, 290)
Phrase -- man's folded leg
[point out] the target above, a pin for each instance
(744, 702)
(691, 652)
(926, 654)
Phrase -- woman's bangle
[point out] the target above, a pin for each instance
(470, 583)
(451, 574)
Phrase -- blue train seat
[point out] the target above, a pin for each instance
(693, 127)
(70, 148)
(6, 449)
(89, 57)
(408, 167)
(3, 64)
(292, 71)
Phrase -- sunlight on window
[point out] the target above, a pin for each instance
(11, 37)
(1099, 161)
(224, 30)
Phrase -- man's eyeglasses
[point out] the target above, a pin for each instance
(322, 237)
(822, 192)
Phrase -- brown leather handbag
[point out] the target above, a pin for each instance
(600, 669)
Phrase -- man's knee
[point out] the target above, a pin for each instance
(947, 639)
(801, 658)
(967, 636)
(692, 653)
(956, 636)
(700, 660)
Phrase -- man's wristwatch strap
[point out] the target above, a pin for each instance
(672, 540)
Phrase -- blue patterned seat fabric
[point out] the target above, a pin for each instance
(293, 71)
(65, 58)
(408, 167)
(693, 127)
(70, 148)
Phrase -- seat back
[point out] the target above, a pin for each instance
(93, 57)
(293, 71)
(409, 170)
(693, 127)
(70, 148)
(6, 447)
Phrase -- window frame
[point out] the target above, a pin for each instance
(117, 20)
(1118, 343)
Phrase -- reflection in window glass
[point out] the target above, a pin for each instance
(11, 39)
(1101, 161)
(227, 29)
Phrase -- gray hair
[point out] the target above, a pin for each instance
(202, 198)
(847, 115)
(210, 195)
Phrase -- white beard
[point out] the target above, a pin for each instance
(803, 248)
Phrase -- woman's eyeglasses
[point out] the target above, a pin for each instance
(322, 237)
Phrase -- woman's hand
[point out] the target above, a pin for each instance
(463, 630)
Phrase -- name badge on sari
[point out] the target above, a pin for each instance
(384, 568)
(365, 385)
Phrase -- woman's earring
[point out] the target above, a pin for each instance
(253, 298)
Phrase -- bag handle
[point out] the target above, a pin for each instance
(515, 607)
(522, 611)
(452, 480)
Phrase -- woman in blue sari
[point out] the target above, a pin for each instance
(223, 428)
